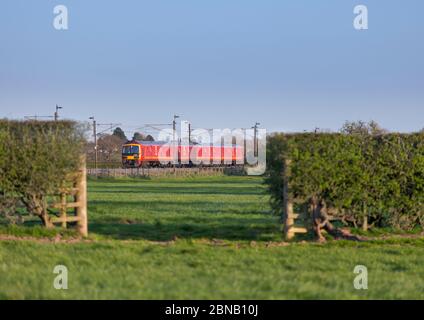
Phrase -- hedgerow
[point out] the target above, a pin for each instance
(361, 173)
(35, 159)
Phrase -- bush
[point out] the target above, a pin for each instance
(361, 172)
(35, 159)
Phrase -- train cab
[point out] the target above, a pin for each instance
(131, 155)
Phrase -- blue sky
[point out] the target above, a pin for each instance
(290, 65)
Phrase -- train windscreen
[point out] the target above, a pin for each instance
(130, 149)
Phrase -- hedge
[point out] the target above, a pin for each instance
(35, 159)
(358, 173)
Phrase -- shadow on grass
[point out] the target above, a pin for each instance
(262, 228)
(194, 180)
(188, 208)
(187, 215)
(149, 189)
(225, 228)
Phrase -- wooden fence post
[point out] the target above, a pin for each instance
(287, 203)
(63, 209)
(289, 216)
(81, 199)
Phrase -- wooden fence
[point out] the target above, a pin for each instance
(71, 202)
(290, 218)
(165, 172)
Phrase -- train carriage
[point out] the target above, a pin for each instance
(158, 153)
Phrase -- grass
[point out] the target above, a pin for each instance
(217, 207)
(199, 238)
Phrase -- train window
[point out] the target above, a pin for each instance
(126, 150)
(130, 149)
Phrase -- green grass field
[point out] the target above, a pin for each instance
(198, 238)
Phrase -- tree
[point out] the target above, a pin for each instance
(141, 137)
(138, 136)
(149, 138)
(363, 128)
(361, 174)
(369, 175)
(118, 132)
(35, 160)
(109, 148)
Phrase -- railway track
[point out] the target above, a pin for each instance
(158, 172)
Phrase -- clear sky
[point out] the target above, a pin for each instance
(291, 65)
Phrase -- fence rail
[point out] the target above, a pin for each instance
(78, 204)
(164, 172)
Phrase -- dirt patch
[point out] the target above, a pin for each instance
(56, 239)
(398, 236)
(273, 244)
(211, 242)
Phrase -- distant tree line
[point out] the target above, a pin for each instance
(109, 146)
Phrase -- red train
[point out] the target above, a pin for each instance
(157, 153)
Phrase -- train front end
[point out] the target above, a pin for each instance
(131, 155)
